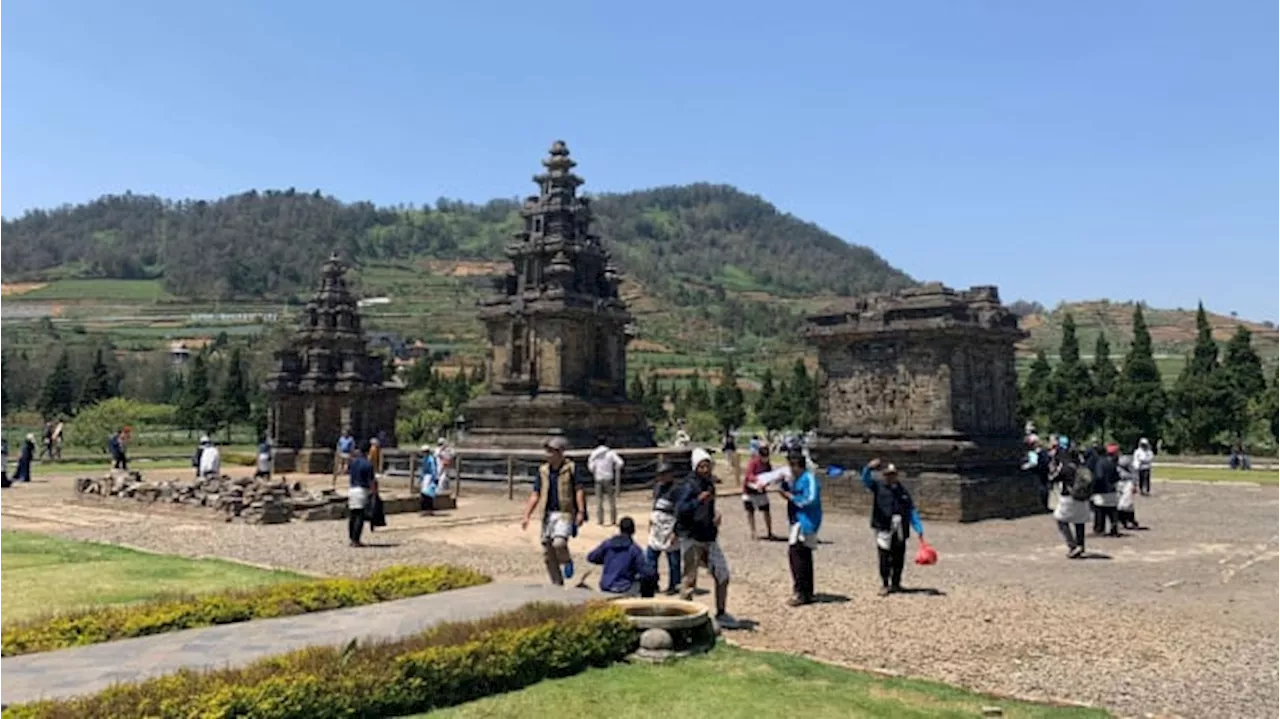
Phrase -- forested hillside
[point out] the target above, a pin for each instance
(687, 244)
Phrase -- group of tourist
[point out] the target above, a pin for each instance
(684, 522)
(1095, 481)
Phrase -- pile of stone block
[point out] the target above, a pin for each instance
(246, 499)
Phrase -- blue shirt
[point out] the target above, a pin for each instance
(361, 473)
(807, 498)
(430, 478)
(346, 443)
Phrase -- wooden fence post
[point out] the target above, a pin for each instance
(511, 476)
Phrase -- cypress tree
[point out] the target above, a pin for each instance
(1105, 376)
(58, 394)
(803, 398)
(233, 399)
(98, 385)
(771, 406)
(1203, 404)
(1244, 378)
(654, 398)
(1034, 399)
(1139, 407)
(728, 402)
(1071, 387)
(195, 411)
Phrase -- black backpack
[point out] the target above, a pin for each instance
(1082, 486)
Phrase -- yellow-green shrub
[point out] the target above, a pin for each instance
(450, 664)
(103, 624)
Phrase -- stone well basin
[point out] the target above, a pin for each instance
(669, 628)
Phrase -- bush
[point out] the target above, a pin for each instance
(104, 624)
(448, 665)
(94, 424)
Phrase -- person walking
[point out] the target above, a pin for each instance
(560, 490)
(625, 571)
(662, 527)
(1075, 487)
(605, 466)
(342, 456)
(22, 473)
(892, 511)
(46, 441)
(116, 446)
(804, 494)
(361, 487)
(754, 497)
(698, 525)
(210, 459)
(1142, 460)
(59, 427)
(428, 481)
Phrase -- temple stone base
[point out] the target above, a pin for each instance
(951, 479)
(525, 422)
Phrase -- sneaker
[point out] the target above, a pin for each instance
(1076, 552)
(885, 591)
(726, 621)
(568, 569)
(798, 601)
(672, 591)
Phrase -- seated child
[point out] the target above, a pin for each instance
(625, 568)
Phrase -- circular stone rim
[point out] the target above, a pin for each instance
(690, 620)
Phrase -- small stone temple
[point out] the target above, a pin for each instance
(326, 380)
(557, 330)
(924, 378)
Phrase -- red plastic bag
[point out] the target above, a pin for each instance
(926, 554)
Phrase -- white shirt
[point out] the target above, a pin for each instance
(604, 463)
(770, 479)
(1142, 458)
(210, 461)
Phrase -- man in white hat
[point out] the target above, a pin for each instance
(892, 512)
(560, 489)
(698, 526)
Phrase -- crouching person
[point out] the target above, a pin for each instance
(625, 570)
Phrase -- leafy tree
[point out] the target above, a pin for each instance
(654, 398)
(803, 399)
(1105, 376)
(58, 395)
(195, 407)
(1203, 402)
(697, 395)
(98, 385)
(1071, 387)
(233, 404)
(728, 403)
(636, 392)
(1035, 397)
(771, 406)
(1140, 404)
(1243, 375)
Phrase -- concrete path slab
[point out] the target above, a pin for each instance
(85, 670)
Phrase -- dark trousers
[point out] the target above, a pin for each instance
(23, 472)
(891, 561)
(673, 567)
(802, 571)
(1073, 541)
(1144, 481)
(1128, 518)
(121, 462)
(1101, 515)
(426, 504)
(355, 524)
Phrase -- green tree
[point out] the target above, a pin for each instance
(1203, 403)
(1035, 398)
(654, 399)
(1270, 408)
(697, 395)
(803, 399)
(1243, 375)
(728, 402)
(1105, 376)
(1071, 387)
(1140, 404)
(99, 384)
(771, 406)
(233, 404)
(195, 407)
(636, 392)
(58, 395)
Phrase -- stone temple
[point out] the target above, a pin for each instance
(327, 380)
(924, 378)
(557, 331)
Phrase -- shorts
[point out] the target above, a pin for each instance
(752, 502)
(707, 554)
(557, 525)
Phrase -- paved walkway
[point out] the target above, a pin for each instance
(84, 670)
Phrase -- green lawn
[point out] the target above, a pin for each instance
(1214, 474)
(732, 682)
(129, 290)
(43, 575)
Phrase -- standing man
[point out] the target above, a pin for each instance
(754, 497)
(1142, 459)
(116, 446)
(605, 466)
(210, 458)
(360, 490)
(263, 467)
(428, 482)
(1106, 497)
(560, 491)
(342, 460)
(805, 496)
(662, 527)
(892, 510)
(46, 441)
(698, 525)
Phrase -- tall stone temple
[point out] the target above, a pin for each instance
(924, 378)
(557, 331)
(326, 381)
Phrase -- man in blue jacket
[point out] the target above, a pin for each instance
(804, 496)
(625, 569)
(892, 510)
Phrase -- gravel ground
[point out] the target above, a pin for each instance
(1180, 620)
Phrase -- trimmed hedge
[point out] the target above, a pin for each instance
(448, 665)
(103, 624)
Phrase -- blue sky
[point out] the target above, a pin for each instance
(1060, 150)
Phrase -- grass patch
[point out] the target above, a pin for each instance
(1214, 474)
(46, 575)
(119, 290)
(732, 682)
(63, 585)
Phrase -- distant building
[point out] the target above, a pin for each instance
(392, 342)
(178, 353)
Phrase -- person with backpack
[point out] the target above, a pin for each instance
(1075, 487)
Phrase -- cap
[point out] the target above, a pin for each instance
(204, 439)
(1113, 448)
(426, 448)
(665, 467)
(889, 469)
(557, 443)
